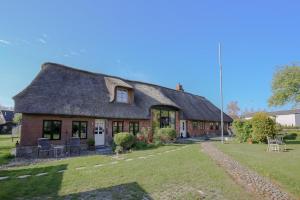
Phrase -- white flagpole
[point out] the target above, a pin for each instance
(221, 93)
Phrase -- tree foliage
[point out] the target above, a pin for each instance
(262, 127)
(286, 86)
(17, 118)
(242, 129)
(233, 109)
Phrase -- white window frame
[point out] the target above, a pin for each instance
(122, 95)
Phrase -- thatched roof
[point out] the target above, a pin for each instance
(6, 116)
(62, 90)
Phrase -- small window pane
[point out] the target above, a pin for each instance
(52, 129)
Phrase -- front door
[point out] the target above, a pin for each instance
(99, 132)
(183, 128)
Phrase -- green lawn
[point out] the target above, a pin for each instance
(283, 168)
(182, 174)
(5, 147)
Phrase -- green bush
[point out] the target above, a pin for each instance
(262, 126)
(124, 140)
(140, 145)
(242, 129)
(91, 142)
(165, 135)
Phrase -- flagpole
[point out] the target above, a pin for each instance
(221, 93)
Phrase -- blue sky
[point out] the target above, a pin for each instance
(162, 42)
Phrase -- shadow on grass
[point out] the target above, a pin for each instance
(125, 191)
(33, 186)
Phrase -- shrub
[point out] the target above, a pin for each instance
(91, 142)
(140, 145)
(262, 126)
(165, 134)
(141, 137)
(242, 129)
(124, 140)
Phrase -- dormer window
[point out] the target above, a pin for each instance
(122, 95)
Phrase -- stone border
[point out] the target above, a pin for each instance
(260, 186)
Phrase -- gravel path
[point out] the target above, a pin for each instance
(250, 180)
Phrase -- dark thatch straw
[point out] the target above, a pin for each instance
(61, 90)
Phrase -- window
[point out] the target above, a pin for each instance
(211, 126)
(52, 129)
(122, 95)
(217, 126)
(133, 127)
(79, 129)
(162, 118)
(202, 125)
(117, 127)
(195, 125)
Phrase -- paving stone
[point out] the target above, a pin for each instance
(99, 165)
(24, 176)
(42, 174)
(61, 171)
(128, 160)
(3, 178)
(113, 163)
(249, 179)
(79, 168)
(142, 157)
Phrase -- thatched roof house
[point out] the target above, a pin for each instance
(59, 91)
(62, 90)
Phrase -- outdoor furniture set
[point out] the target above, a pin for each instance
(276, 144)
(72, 146)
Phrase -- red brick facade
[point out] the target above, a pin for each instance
(32, 128)
(198, 130)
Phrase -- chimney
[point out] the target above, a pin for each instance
(179, 87)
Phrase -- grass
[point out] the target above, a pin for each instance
(283, 168)
(182, 174)
(5, 147)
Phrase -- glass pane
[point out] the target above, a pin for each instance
(47, 126)
(75, 129)
(83, 131)
(55, 136)
(47, 135)
(136, 128)
(172, 119)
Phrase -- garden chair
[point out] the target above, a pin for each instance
(75, 145)
(281, 142)
(272, 145)
(44, 146)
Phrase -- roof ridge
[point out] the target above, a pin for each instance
(46, 64)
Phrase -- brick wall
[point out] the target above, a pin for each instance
(32, 128)
(142, 124)
(194, 132)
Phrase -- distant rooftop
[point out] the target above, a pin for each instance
(273, 113)
(8, 115)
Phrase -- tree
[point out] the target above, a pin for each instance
(262, 127)
(17, 118)
(286, 86)
(233, 109)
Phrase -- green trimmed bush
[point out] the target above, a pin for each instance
(262, 126)
(140, 145)
(165, 135)
(124, 140)
(242, 129)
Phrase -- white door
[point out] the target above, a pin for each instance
(99, 132)
(183, 128)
